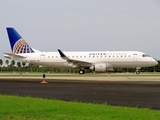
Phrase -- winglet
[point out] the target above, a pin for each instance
(62, 55)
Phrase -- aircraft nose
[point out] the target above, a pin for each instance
(155, 62)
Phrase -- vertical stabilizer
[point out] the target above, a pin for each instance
(18, 44)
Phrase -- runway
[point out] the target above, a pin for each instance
(139, 93)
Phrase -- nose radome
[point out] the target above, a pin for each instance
(155, 62)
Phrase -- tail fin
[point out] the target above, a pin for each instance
(18, 45)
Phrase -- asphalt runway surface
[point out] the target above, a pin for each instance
(116, 93)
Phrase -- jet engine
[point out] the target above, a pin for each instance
(100, 67)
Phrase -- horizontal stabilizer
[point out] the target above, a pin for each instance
(9, 55)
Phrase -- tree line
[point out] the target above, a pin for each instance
(13, 66)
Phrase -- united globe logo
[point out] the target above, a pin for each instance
(22, 47)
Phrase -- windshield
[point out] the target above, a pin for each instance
(145, 55)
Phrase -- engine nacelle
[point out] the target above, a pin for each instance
(100, 67)
(70, 65)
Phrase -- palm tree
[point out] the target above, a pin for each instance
(13, 63)
(1, 63)
(36, 67)
(30, 66)
(24, 64)
(7, 62)
(19, 65)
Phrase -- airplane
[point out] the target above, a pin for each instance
(98, 61)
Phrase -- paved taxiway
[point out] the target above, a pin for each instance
(124, 91)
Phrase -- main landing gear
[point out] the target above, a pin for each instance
(138, 70)
(81, 71)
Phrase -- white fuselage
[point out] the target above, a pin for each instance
(112, 59)
(98, 61)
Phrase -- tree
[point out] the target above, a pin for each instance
(24, 64)
(157, 67)
(19, 65)
(1, 63)
(30, 66)
(36, 67)
(7, 62)
(13, 63)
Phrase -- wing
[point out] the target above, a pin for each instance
(74, 62)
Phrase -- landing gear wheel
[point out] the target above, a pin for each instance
(137, 72)
(81, 71)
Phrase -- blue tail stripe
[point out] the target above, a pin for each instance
(18, 45)
(13, 36)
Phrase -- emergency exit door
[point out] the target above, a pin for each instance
(135, 57)
(42, 58)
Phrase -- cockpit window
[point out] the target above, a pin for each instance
(145, 55)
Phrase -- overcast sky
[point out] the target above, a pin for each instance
(83, 25)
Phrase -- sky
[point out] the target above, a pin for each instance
(83, 25)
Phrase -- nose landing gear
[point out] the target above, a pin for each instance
(137, 72)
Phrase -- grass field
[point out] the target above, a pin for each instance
(26, 108)
(24, 74)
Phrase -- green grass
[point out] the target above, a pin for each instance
(26, 108)
(17, 74)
